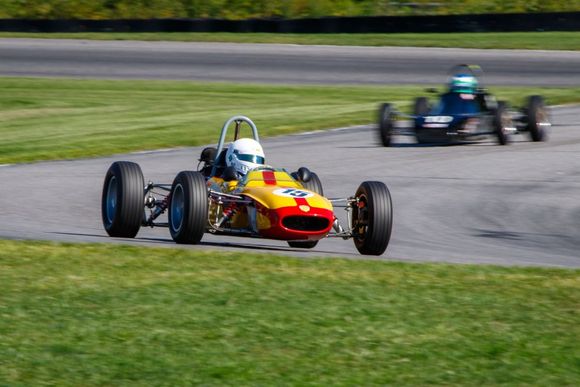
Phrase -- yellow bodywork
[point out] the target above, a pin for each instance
(273, 190)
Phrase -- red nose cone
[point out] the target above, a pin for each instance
(299, 223)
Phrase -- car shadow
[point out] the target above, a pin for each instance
(499, 235)
(241, 245)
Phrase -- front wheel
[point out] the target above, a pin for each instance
(122, 201)
(386, 123)
(188, 207)
(372, 218)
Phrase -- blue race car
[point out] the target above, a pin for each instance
(465, 113)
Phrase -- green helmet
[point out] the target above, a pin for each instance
(463, 83)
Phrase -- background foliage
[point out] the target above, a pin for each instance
(239, 9)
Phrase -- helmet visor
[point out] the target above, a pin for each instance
(463, 83)
(251, 159)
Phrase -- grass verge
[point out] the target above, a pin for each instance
(501, 40)
(43, 119)
(118, 315)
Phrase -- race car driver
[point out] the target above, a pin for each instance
(244, 155)
(461, 97)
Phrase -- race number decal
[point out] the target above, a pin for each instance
(439, 119)
(293, 193)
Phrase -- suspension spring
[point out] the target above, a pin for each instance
(229, 213)
(159, 209)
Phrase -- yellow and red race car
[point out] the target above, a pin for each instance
(266, 203)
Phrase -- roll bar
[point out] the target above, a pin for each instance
(238, 121)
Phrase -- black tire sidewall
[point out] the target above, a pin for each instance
(502, 136)
(535, 102)
(380, 218)
(195, 207)
(314, 184)
(421, 106)
(129, 209)
(385, 124)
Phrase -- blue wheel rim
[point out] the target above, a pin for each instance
(177, 207)
(111, 199)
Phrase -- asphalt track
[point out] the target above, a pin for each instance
(274, 63)
(479, 203)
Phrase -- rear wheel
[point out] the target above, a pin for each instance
(315, 185)
(501, 123)
(122, 201)
(537, 117)
(372, 218)
(188, 207)
(386, 123)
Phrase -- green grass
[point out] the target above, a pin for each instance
(502, 40)
(116, 315)
(42, 119)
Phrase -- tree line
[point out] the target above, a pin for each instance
(243, 9)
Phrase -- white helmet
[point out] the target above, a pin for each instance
(244, 154)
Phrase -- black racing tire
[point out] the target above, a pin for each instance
(421, 106)
(536, 116)
(302, 244)
(122, 201)
(372, 218)
(386, 123)
(501, 119)
(188, 207)
(314, 185)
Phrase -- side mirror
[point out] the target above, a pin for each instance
(303, 174)
(229, 174)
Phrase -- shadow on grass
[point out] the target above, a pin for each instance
(242, 245)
